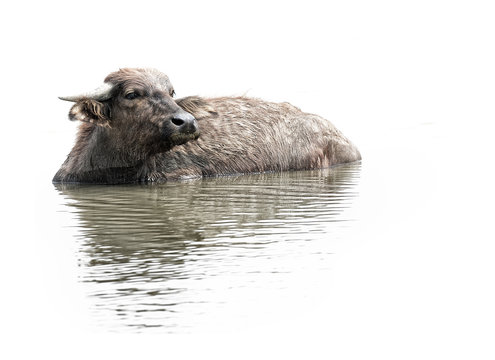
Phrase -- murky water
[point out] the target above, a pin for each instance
(393, 251)
(167, 257)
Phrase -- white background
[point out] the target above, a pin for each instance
(370, 66)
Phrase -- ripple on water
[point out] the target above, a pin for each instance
(162, 256)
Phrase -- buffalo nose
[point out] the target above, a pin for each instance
(185, 121)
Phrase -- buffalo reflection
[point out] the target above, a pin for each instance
(134, 239)
(118, 223)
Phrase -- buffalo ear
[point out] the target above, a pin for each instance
(92, 111)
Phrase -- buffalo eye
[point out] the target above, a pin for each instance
(131, 95)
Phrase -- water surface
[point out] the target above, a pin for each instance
(393, 254)
(212, 254)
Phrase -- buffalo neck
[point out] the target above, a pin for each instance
(98, 157)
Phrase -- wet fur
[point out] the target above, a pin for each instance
(245, 135)
(239, 135)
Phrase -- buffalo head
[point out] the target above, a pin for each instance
(137, 110)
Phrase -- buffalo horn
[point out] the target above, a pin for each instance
(104, 92)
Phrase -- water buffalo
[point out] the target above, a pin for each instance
(132, 130)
